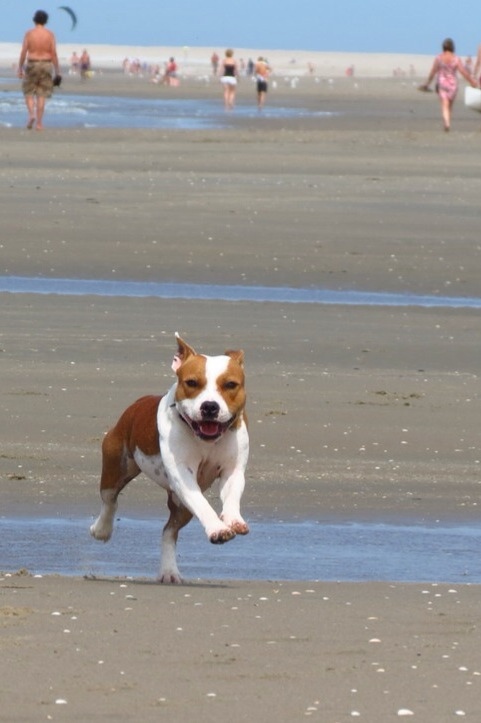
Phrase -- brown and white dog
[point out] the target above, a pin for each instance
(184, 441)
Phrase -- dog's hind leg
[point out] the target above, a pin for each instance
(179, 517)
(118, 469)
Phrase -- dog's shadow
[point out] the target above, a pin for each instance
(197, 584)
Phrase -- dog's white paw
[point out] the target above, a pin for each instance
(238, 526)
(101, 532)
(220, 536)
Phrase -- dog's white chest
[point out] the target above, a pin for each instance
(153, 467)
(205, 470)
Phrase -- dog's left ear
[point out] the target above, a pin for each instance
(184, 351)
(237, 356)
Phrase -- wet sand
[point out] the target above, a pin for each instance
(355, 412)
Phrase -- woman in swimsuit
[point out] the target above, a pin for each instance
(229, 74)
(445, 68)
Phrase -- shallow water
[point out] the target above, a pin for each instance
(278, 550)
(100, 287)
(84, 111)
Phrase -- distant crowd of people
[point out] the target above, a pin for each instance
(39, 69)
(168, 74)
(228, 70)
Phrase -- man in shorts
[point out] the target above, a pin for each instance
(262, 71)
(39, 51)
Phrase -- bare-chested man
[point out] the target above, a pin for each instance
(39, 50)
(262, 70)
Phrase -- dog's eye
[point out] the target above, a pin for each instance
(192, 383)
(231, 385)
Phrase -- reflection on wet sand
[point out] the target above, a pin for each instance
(100, 287)
(324, 550)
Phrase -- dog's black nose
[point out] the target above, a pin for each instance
(209, 410)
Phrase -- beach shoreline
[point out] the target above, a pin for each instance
(195, 61)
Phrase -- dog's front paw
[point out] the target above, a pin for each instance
(221, 536)
(238, 526)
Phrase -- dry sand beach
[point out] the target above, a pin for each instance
(356, 412)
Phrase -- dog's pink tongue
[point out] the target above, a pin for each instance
(210, 429)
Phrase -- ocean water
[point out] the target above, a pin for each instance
(83, 111)
(274, 550)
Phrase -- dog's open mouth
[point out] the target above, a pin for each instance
(208, 429)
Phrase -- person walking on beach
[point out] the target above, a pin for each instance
(170, 74)
(477, 65)
(262, 72)
(39, 52)
(84, 65)
(214, 61)
(445, 68)
(229, 75)
(74, 64)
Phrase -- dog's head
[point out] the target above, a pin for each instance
(210, 394)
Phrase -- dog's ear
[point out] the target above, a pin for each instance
(184, 351)
(237, 356)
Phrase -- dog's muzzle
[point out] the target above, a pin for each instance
(208, 426)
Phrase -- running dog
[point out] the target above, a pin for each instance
(184, 441)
